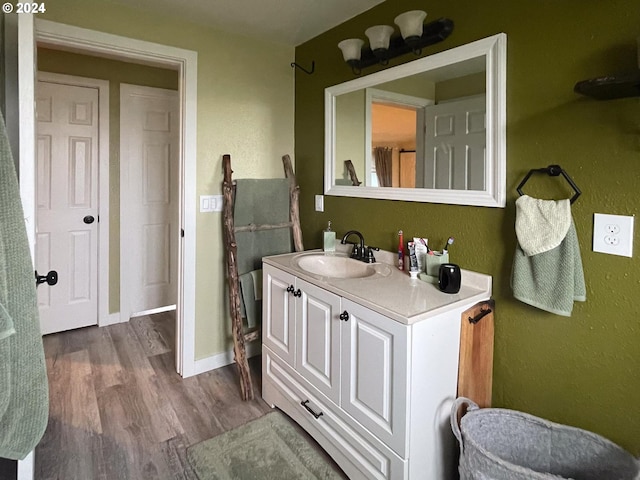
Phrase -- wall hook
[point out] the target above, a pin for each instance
(313, 67)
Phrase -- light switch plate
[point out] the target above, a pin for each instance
(319, 203)
(210, 203)
(613, 234)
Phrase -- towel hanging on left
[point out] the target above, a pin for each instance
(24, 391)
(547, 267)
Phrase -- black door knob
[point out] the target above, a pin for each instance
(50, 278)
(88, 219)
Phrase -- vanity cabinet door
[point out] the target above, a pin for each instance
(318, 338)
(374, 374)
(278, 312)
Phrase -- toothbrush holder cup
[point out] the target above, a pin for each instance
(433, 262)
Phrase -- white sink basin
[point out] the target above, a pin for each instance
(334, 266)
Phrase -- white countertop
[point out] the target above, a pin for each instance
(392, 292)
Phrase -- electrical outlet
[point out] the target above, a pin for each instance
(612, 240)
(613, 234)
(612, 228)
(319, 203)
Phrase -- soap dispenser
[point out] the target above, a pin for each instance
(329, 239)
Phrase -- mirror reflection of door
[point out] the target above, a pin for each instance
(456, 144)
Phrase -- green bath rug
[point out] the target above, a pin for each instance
(269, 448)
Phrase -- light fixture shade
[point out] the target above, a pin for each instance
(351, 48)
(410, 23)
(379, 36)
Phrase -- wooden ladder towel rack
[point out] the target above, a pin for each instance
(240, 337)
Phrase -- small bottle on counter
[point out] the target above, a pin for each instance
(329, 239)
(400, 250)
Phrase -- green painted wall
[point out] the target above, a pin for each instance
(116, 73)
(245, 107)
(583, 370)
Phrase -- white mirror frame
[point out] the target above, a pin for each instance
(494, 49)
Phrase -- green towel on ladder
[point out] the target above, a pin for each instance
(251, 304)
(24, 391)
(263, 201)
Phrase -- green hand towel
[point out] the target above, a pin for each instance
(23, 377)
(551, 280)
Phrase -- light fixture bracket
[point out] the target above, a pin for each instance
(432, 33)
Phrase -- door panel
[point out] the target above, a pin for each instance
(318, 338)
(278, 318)
(149, 151)
(67, 178)
(374, 382)
(455, 144)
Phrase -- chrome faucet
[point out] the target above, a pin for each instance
(358, 251)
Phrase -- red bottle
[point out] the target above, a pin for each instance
(400, 250)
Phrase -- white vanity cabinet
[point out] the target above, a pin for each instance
(326, 351)
(373, 391)
(367, 366)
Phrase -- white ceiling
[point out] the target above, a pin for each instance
(289, 22)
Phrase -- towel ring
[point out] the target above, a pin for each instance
(552, 171)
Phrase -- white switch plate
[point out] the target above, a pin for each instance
(613, 234)
(319, 203)
(210, 203)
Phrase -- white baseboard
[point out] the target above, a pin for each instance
(110, 319)
(225, 358)
(124, 318)
(152, 311)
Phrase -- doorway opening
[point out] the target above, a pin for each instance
(64, 37)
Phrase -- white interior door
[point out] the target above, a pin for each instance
(455, 144)
(149, 149)
(67, 204)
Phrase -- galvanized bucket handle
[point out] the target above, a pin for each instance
(455, 408)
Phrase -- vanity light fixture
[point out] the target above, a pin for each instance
(414, 36)
(410, 24)
(351, 52)
(379, 37)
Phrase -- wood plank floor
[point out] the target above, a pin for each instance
(120, 411)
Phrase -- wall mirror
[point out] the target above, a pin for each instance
(431, 130)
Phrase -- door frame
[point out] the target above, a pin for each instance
(373, 95)
(125, 218)
(103, 317)
(67, 37)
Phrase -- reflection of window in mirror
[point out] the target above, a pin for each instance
(394, 127)
(395, 113)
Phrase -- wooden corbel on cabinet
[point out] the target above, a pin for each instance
(475, 369)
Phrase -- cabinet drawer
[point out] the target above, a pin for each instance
(360, 457)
